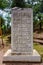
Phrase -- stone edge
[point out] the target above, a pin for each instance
(6, 60)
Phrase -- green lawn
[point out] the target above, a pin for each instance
(39, 48)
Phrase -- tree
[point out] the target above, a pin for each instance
(5, 4)
(1, 22)
(8, 23)
(36, 9)
(41, 6)
(28, 1)
(18, 3)
(40, 20)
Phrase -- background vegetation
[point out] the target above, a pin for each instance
(5, 13)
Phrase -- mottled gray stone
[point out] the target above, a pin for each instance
(22, 30)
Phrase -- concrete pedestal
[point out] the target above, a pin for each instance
(8, 57)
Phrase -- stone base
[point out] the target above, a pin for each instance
(8, 57)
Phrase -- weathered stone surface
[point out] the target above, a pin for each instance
(22, 30)
(35, 57)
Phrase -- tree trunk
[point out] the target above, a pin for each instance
(40, 26)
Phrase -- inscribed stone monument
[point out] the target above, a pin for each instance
(22, 37)
(22, 31)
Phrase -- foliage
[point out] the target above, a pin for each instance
(18, 3)
(4, 4)
(37, 6)
(41, 6)
(38, 47)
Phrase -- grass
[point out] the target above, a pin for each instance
(39, 48)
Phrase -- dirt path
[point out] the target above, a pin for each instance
(1, 57)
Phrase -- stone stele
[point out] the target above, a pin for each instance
(22, 37)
